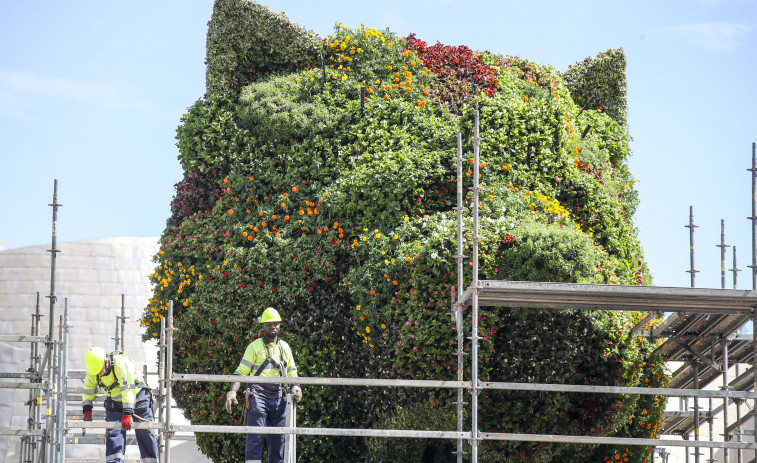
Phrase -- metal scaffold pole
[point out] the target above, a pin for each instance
(474, 312)
(50, 353)
(458, 307)
(726, 436)
(123, 322)
(169, 383)
(735, 270)
(693, 271)
(753, 217)
(162, 385)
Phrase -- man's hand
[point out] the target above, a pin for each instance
(87, 416)
(231, 398)
(126, 422)
(296, 393)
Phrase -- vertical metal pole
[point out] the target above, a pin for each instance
(710, 418)
(722, 247)
(123, 322)
(51, 384)
(754, 371)
(693, 271)
(735, 270)
(36, 446)
(695, 365)
(753, 218)
(60, 393)
(162, 384)
(169, 378)
(460, 291)
(54, 251)
(474, 314)
(726, 436)
(739, 454)
(117, 338)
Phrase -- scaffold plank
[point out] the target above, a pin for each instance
(615, 297)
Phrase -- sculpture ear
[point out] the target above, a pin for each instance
(247, 40)
(601, 82)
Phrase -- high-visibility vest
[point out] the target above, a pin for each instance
(122, 382)
(262, 359)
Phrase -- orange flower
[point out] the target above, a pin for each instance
(319, 232)
(247, 211)
(260, 213)
(373, 292)
(295, 189)
(251, 178)
(274, 216)
(264, 224)
(409, 259)
(395, 283)
(386, 97)
(286, 218)
(249, 238)
(231, 211)
(226, 180)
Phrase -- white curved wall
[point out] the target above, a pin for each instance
(92, 275)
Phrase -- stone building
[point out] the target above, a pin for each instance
(93, 275)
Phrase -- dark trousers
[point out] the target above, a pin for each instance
(115, 439)
(265, 412)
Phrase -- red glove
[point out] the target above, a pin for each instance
(87, 416)
(126, 422)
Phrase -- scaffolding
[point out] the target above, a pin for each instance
(701, 331)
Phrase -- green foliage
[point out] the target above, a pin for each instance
(246, 40)
(603, 78)
(336, 207)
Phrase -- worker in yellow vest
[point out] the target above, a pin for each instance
(266, 403)
(127, 397)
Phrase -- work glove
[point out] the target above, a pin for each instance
(87, 416)
(231, 398)
(296, 393)
(126, 422)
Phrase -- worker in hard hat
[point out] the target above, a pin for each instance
(127, 398)
(265, 403)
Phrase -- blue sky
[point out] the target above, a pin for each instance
(91, 94)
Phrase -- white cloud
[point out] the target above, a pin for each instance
(24, 94)
(714, 35)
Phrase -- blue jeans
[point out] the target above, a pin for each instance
(115, 439)
(265, 412)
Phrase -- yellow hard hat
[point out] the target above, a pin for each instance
(270, 315)
(95, 360)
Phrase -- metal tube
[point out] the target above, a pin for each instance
(60, 393)
(117, 337)
(474, 285)
(37, 409)
(162, 384)
(754, 371)
(753, 218)
(722, 247)
(422, 434)
(735, 270)
(169, 377)
(459, 306)
(64, 381)
(693, 271)
(726, 436)
(123, 322)
(695, 365)
(738, 419)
